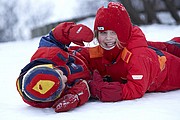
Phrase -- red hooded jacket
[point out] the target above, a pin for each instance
(136, 70)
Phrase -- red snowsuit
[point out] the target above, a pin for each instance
(71, 62)
(136, 70)
(172, 46)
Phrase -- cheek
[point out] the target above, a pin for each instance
(64, 78)
(114, 40)
(101, 39)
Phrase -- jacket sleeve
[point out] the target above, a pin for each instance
(54, 54)
(81, 52)
(142, 72)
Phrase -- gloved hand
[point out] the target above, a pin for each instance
(68, 32)
(105, 91)
(96, 76)
(66, 103)
(76, 96)
(95, 84)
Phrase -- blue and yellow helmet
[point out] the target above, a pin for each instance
(41, 83)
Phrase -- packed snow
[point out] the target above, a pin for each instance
(153, 106)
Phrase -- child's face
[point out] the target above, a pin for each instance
(107, 39)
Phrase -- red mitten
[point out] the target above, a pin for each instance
(81, 89)
(60, 32)
(105, 91)
(80, 33)
(97, 77)
(66, 103)
(68, 32)
(95, 84)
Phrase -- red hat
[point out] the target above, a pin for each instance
(41, 83)
(116, 18)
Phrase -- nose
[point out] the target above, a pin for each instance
(108, 37)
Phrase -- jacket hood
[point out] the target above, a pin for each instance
(137, 39)
(114, 17)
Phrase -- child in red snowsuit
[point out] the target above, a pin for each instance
(56, 75)
(125, 67)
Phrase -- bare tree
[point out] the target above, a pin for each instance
(33, 15)
(16, 21)
(150, 12)
(8, 20)
(173, 10)
(134, 14)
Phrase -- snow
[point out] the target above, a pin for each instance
(153, 106)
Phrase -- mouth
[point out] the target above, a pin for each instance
(110, 44)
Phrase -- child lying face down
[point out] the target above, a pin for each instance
(57, 75)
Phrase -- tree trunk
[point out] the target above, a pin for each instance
(173, 10)
(150, 11)
(135, 17)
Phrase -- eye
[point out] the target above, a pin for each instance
(103, 33)
(113, 33)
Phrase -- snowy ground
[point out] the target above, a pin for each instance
(153, 106)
